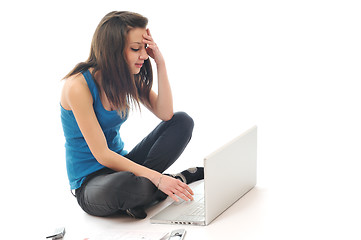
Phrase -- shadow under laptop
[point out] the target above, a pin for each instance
(246, 211)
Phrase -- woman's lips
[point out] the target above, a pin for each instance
(139, 65)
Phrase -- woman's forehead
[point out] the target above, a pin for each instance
(135, 35)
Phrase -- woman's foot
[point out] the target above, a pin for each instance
(190, 175)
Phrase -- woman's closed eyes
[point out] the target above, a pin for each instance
(137, 49)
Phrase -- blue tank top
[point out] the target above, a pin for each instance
(80, 162)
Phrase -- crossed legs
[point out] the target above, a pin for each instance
(107, 192)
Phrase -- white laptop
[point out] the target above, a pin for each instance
(229, 173)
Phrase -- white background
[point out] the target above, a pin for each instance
(291, 67)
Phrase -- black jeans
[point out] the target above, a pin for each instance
(106, 192)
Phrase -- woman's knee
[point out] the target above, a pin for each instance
(184, 119)
(117, 191)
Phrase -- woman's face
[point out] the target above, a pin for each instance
(135, 50)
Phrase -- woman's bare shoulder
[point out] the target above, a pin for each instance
(74, 86)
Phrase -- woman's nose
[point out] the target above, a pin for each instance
(143, 55)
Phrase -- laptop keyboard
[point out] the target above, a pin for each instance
(196, 208)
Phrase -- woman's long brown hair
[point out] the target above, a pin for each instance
(107, 55)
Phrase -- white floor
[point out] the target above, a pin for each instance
(287, 211)
(291, 67)
(245, 215)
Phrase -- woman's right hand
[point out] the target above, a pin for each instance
(172, 186)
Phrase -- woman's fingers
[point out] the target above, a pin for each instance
(170, 194)
(183, 191)
(149, 43)
(184, 194)
(180, 194)
(186, 191)
(147, 38)
(173, 188)
(186, 187)
(152, 48)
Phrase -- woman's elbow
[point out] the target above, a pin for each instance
(167, 116)
(101, 156)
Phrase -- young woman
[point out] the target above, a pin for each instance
(95, 101)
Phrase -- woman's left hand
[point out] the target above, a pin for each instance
(152, 48)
